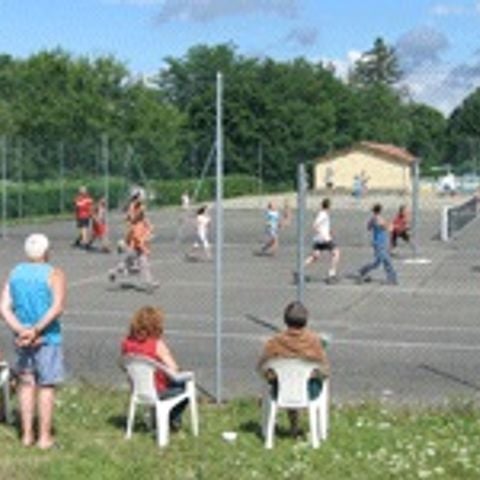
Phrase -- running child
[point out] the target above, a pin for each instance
(272, 226)
(379, 228)
(138, 251)
(99, 226)
(323, 241)
(400, 228)
(202, 224)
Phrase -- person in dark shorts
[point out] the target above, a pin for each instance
(83, 214)
(323, 241)
(400, 228)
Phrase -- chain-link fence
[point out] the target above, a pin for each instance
(417, 340)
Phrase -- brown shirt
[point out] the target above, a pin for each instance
(296, 343)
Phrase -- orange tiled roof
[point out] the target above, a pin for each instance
(389, 150)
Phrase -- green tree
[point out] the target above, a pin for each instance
(377, 66)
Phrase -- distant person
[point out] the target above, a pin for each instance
(379, 229)
(83, 214)
(287, 215)
(137, 252)
(185, 201)
(146, 338)
(272, 226)
(32, 301)
(364, 179)
(297, 341)
(329, 178)
(400, 228)
(357, 188)
(323, 241)
(99, 226)
(202, 225)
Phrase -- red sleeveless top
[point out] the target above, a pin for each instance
(147, 348)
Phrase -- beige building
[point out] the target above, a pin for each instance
(383, 167)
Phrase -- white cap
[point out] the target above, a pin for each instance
(36, 245)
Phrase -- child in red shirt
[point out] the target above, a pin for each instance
(400, 228)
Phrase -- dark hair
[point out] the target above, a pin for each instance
(295, 315)
(201, 210)
(326, 203)
(377, 208)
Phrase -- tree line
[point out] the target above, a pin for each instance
(276, 113)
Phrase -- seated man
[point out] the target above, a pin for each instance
(297, 341)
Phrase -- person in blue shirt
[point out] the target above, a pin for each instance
(32, 301)
(272, 226)
(379, 229)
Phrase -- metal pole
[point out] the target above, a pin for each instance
(219, 239)
(260, 168)
(3, 148)
(106, 167)
(415, 204)
(301, 207)
(61, 161)
(19, 163)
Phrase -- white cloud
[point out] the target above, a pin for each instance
(208, 10)
(450, 9)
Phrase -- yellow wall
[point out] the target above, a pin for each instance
(384, 175)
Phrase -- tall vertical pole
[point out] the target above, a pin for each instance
(61, 166)
(260, 168)
(3, 153)
(301, 207)
(106, 170)
(415, 204)
(219, 238)
(19, 164)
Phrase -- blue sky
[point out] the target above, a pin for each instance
(438, 41)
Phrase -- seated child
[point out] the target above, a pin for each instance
(146, 338)
(296, 341)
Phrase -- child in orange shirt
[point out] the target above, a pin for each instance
(138, 251)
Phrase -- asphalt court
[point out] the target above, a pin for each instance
(418, 341)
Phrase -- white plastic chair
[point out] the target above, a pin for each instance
(5, 386)
(292, 375)
(141, 371)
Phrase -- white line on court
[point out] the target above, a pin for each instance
(443, 346)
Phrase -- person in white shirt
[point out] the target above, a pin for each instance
(323, 241)
(202, 222)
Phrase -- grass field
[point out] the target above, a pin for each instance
(367, 441)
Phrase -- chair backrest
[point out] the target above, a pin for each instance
(292, 375)
(141, 371)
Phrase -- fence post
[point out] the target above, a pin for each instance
(106, 169)
(219, 240)
(61, 161)
(19, 164)
(415, 204)
(301, 207)
(3, 153)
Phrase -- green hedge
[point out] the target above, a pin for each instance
(51, 198)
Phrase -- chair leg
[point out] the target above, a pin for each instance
(6, 402)
(270, 430)
(313, 416)
(194, 413)
(130, 418)
(163, 426)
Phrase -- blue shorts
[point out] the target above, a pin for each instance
(45, 363)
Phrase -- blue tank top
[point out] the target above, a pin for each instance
(32, 297)
(379, 233)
